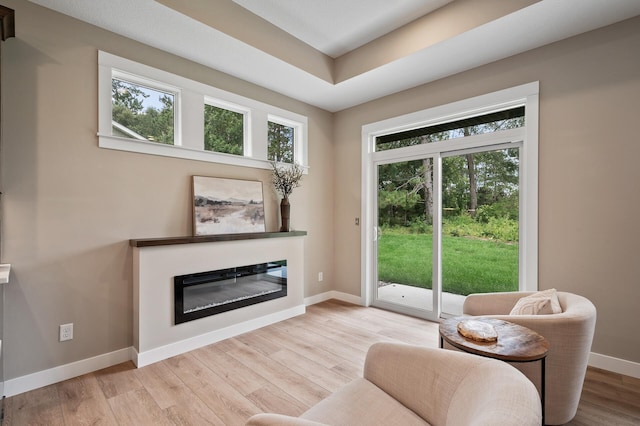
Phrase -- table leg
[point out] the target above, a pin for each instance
(542, 386)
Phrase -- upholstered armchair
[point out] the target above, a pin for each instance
(569, 333)
(412, 385)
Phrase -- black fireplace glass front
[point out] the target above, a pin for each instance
(208, 293)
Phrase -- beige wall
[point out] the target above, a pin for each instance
(69, 207)
(589, 148)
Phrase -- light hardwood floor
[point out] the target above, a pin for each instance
(284, 368)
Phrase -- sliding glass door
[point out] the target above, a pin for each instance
(405, 236)
(447, 214)
(480, 224)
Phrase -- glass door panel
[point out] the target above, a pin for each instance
(480, 225)
(405, 237)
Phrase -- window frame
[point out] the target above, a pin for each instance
(189, 117)
(525, 95)
(246, 123)
(299, 152)
(157, 86)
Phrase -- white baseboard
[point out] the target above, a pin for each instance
(69, 371)
(616, 365)
(64, 372)
(345, 297)
(177, 348)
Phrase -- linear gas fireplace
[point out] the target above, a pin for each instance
(208, 293)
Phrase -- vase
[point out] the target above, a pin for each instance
(285, 209)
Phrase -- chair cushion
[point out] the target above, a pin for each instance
(543, 302)
(362, 403)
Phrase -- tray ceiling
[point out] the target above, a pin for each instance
(335, 54)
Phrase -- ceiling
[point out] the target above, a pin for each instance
(335, 54)
(335, 27)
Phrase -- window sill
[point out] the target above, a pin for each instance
(152, 148)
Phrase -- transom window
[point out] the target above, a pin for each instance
(223, 129)
(142, 112)
(492, 122)
(146, 110)
(281, 142)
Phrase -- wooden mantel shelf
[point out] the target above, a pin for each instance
(7, 23)
(152, 242)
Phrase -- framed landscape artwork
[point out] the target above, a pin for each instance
(227, 206)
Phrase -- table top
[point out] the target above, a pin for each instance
(515, 342)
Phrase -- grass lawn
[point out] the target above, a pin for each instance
(468, 265)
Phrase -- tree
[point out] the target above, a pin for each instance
(151, 123)
(427, 165)
(127, 95)
(280, 143)
(469, 181)
(471, 172)
(401, 193)
(223, 130)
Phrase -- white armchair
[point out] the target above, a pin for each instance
(569, 334)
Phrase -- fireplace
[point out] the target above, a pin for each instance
(158, 261)
(203, 294)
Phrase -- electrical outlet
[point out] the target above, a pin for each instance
(66, 332)
(320, 276)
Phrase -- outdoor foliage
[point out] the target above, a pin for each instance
(281, 140)
(483, 182)
(152, 123)
(480, 214)
(223, 130)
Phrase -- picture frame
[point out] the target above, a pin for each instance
(227, 206)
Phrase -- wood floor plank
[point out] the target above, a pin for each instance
(38, 407)
(190, 370)
(349, 369)
(597, 415)
(347, 334)
(137, 407)
(118, 379)
(181, 405)
(83, 402)
(289, 381)
(312, 348)
(283, 368)
(311, 370)
(334, 342)
(244, 379)
(223, 399)
(272, 399)
(163, 385)
(192, 415)
(619, 388)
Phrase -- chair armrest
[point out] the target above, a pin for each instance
(269, 419)
(409, 374)
(491, 303)
(429, 381)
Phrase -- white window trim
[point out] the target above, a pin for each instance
(189, 111)
(526, 95)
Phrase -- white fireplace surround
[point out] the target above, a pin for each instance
(156, 337)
